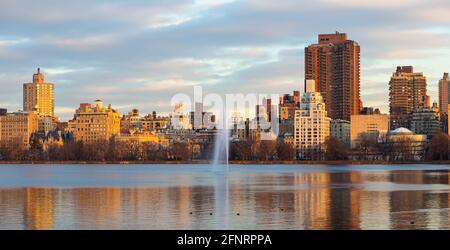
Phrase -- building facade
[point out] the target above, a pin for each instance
(426, 121)
(312, 126)
(334, 64)
(444, 93)
(17, 128)
(406, 145)
(376, 125)
(94, 123)
(407, 92)
(39, 96)
(288, 105)
(340, 130)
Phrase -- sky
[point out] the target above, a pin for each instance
(138, 54)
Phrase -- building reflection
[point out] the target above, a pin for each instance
(308, 200)
(39, 208)
(97, 208)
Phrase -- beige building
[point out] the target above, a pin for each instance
(406, 145)
(138, 136)
(150, 122)
(95, 123)
(444, 93)
(17, 128)
(46, 124)
(311, 125)
(39, 96)
(154, 123)
(376, 124)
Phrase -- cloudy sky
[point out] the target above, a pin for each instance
(140, 53)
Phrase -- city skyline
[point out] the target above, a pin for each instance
(159, 52)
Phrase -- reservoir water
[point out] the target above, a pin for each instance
(238, 197)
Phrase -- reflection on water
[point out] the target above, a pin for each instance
(241, 200)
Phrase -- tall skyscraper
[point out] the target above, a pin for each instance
(444, 93)
(334, 65)
(311, 125)
(39, 96)
(407, 92)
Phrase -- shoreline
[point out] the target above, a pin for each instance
(205, 162)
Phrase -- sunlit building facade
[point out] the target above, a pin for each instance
(376, 125)
(407, 92)
(334, 64)
(312, 126)
(444, 93)
(39, 96)
(16, 128)
(95, 123)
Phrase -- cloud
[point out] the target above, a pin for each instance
(140, 53)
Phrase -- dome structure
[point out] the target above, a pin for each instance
(401, 131)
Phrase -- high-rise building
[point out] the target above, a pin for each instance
(444, 93)
(407, 92)
(39, 96)
(16, 128)
(311, 126)
(334, 65)
(426, 121)
(448, 120)
(288, 105)
(95, 123)
(375, 125)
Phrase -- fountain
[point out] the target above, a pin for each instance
(220, 175)
(221, 148)
(222, 145)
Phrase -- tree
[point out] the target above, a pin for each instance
(438, 147)
(267, 150)
(285, 151)
(367, 146)
(335, 149)
(241, 150)
(36, 149)
(180, 151)
(12, 150)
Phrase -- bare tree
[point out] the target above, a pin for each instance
(438, 147)
(367, 146)
(267, 150)
(335, 149)
(285, 151)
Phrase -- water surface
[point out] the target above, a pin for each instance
(238, 197)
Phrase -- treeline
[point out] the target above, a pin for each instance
(104, 151)
(368, 148)
(251, 150)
